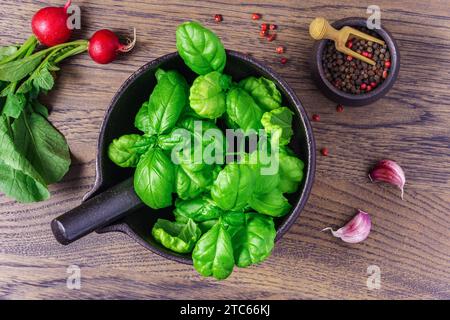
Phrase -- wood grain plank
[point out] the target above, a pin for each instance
(410, 239)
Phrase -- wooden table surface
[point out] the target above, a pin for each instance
(409, 241)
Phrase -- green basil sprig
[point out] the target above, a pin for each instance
(243, 110)
(200, 48)
(179, 237)
(263, 91)
(167, 101)
(224, 214)
(207, 95)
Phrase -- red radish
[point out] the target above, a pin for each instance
(104, 46)
(49, 25)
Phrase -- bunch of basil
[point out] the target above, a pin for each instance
(223, 214)
(33, 153)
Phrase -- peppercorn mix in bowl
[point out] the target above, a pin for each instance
(352, 82)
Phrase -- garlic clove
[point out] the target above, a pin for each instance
(388, 171)
(356, 230)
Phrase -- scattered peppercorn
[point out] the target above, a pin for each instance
(316, 117)
(271, 37)
(264, 27)
(280, 50)
(263, 33)
(256, 16)
(324, 151)
(273, 27)
(218, 18)
(340, 108)
(352, 75)
(283, 60)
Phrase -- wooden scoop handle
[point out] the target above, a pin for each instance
(320, 29)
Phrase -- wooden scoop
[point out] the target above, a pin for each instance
(320, 29)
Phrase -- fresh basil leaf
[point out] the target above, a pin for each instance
(154, 179)
(252, 240)
(279, 119)
(142, 120)
(230, 124)
(263, 91)
(128, 149)
(260, 161)
(200, 48)
(199, 209)
(243, 110)
(178, 237)
(233, 187)
(207, 94)
(208, 135)
(190, 184)
(167, 101)
(273, 203)
(291, 171)
(213, 253)
(178, 137)
(233, 219)
(18, 178)
(205, 226)
(44, 146)
(14, 105)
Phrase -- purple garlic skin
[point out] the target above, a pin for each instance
(390, 172)
(356, 230)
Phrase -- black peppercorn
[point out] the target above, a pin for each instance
(353, 75)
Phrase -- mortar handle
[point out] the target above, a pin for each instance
(97, 212)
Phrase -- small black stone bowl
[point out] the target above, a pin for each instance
(349, 99)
